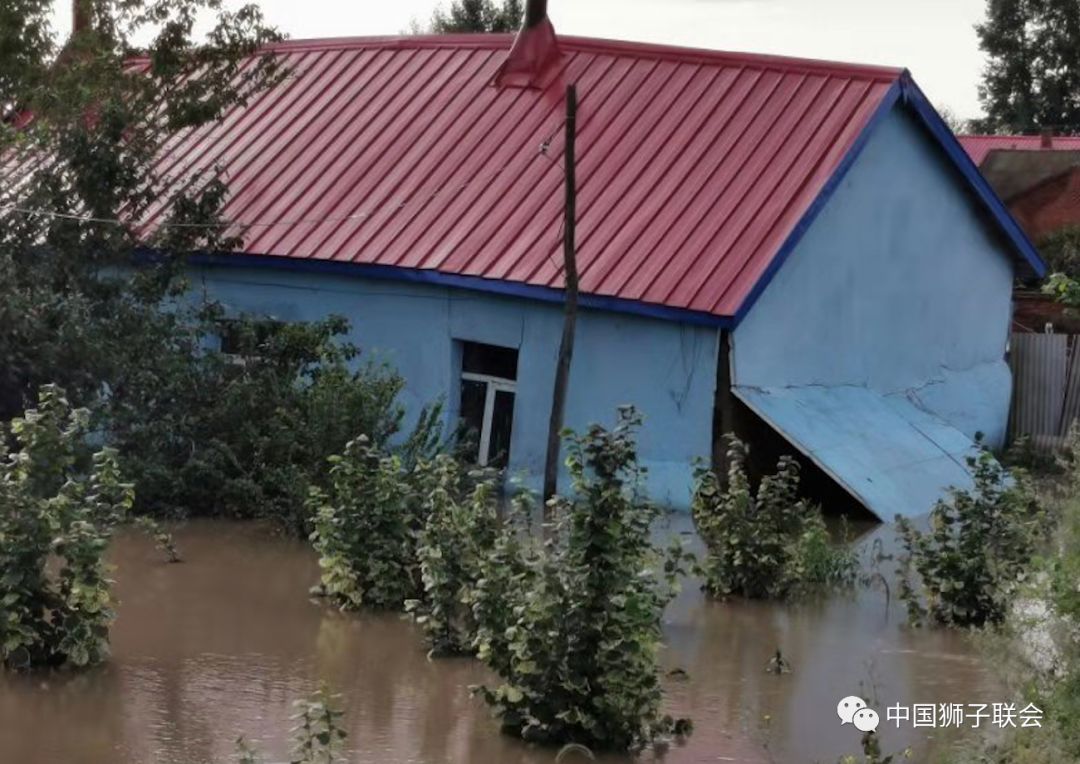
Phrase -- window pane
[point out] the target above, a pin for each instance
(492, 360)
(472, 416)
(501, 420)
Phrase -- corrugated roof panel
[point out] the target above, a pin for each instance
(693, 166)
(739, 275)
(749, 194)
(717, 165)
(667, 170)
(687, 178)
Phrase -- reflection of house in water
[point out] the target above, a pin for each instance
(765, 244)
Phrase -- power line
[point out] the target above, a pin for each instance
(29, 211)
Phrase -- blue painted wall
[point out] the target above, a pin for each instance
(899, 286)
(666, 369)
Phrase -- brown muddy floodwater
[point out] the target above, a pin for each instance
(220, 646)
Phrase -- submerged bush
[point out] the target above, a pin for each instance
(766, 543)
(246, 433)
(820, 562)
(1036, 648)
(459, 532)
(365, 527)
(572, 625)
(318, 735)
(51, 508)
(976, 551)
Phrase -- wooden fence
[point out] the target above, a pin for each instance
(1046, 387)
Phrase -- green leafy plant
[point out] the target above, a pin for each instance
(871, 749)
(245, 752)
(94, 289)
(764, 543)
(50, 508)
(976, 551)
(163, 539)
(576, 627)
(476, 16)
(460, 527)
(1061, 251)
(819, 561)
(318, 736)
(1063, 288)
(365, 527)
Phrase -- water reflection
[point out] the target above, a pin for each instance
(221, 645)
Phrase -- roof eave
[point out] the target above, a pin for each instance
(499, 287)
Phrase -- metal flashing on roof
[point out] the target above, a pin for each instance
(868, 443)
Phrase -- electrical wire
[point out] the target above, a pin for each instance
(29, 211)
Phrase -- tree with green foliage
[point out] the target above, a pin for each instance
(58, 510)
(477, 16)
(1032, 78)
(1061, 251)
(572, 625)
(82, 304)
(244, 434)
(81, 130)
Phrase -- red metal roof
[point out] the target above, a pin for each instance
(978, 146)
(694, 166)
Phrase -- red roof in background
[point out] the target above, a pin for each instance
(694, 166)
(978, 146)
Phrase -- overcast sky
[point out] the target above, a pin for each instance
(935, 39)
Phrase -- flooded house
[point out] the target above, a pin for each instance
(766, 245)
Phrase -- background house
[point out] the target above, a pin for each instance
(766, 245)
(1038, 178)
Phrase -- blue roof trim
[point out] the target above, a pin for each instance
(891, 97)
(473, 283)
(914, 97)
(906, 91)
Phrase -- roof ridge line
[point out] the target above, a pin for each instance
(633, 48)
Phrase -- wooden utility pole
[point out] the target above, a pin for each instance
(566, 345)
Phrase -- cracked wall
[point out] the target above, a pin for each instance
(900, 286)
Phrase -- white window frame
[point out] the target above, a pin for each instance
(493, 385)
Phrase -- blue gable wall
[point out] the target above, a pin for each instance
(899, 286)
(666, 369)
